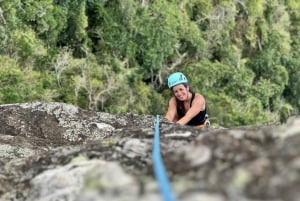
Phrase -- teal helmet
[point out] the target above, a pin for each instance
(176, 78)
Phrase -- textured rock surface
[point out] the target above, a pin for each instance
(55, 151)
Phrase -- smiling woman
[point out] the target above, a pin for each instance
(185, 106)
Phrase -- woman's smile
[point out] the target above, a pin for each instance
(180, 92)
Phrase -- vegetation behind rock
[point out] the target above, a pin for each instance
(114, 56)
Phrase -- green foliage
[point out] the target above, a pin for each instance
(114, 56)
(145, 99)
(227, 111)
(221, 78)
(134, 96)
(229, 92)
(152, 40)
(292, 62)
(291, 91)
(285, 112)
(26, 45)
(20, 85)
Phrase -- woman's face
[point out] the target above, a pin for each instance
(180, 92)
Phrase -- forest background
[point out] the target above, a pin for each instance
(115, 55)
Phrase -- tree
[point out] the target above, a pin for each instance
(21, 84)
(114, 56)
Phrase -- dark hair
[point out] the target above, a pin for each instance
(179, 104)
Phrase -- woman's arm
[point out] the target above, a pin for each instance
(171, 114)
(197, 106)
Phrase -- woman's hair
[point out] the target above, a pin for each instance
(179, 104)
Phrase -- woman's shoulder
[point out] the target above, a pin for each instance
(172, 100)
(198, 95)
(199, 99)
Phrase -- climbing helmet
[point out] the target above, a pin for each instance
(176, 78)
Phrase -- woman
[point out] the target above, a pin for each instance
(185, 106)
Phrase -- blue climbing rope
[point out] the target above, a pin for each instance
(159, 168)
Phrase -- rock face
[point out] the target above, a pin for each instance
(55, 151)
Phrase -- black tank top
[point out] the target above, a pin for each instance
(196, 120)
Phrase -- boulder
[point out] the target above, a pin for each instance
(55, 151)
